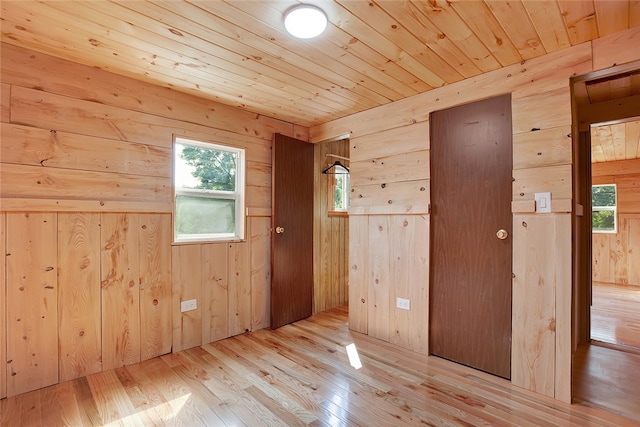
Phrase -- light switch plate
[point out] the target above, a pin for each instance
(543, 202)
(403, 303)
(188, 305)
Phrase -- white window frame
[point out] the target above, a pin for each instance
(238, 195)
(613, 208)
(346, 189)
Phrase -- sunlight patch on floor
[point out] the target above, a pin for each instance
(354, 358)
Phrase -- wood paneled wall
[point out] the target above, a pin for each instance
(331, 233)
(92, 279)
(396, 198)
(616, 256)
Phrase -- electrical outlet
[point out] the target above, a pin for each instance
(188, 305)
(403, 303)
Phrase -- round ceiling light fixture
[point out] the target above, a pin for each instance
(305, 21)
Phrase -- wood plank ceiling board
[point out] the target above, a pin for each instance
(612, 142)
(447, 24)
(426, 52)
(514, 19)
(613, 16)
(547, 20)
(580, 19)
(373, 52)
(481, 20)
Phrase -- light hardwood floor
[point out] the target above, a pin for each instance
(615, 314)
(297, 375)
(607, 372)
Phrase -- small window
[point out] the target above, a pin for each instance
(603, 208)
(339, 189)
(209, 192)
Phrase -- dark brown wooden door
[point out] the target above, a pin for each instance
(471, 175)
(292, 231)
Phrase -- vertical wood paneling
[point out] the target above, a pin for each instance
(400, 259)
(417, 272)
(155, 236)
(535, 258)
(239, 288)
(634, 251)
(32, 311)
(600, 256)
(260, 233)
(616, 256)
(79, 314)
(186, 277)
(120, 290)
(359, 273)
(541, 100)
(3, 307)
(330, 232)
(138, 303)
(379, 276)
(5, 103)
(618, 253)
(215, 298)
(563, 277)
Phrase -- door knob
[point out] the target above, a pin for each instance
(279, 230)
(502, 234)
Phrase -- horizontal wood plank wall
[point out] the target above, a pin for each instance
(542, 162)
(616, 256)
(331, 233)
(93, 150)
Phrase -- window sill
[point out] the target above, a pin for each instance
(207, 242)
(343, 214)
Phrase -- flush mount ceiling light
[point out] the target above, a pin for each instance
(305, 21)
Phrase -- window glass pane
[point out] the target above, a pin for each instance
(338, 202)
(201, 217)
(205, 168)
(603, 220)
(603, 195)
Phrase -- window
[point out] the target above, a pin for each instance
(341, 189)
(603, 208)
(338, 197)
(209, 192)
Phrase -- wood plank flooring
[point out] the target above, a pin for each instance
(607, 378)
(606, 373)
(615, 314)
(297, 375)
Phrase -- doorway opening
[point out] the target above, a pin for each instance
(606, 365)
(331, 224)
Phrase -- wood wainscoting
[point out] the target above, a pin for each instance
(297, 375)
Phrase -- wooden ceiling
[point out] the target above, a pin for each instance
(612, 142)
(374, 52)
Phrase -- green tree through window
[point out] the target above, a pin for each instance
(603, 208)
(215, 170)
(209, 192)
